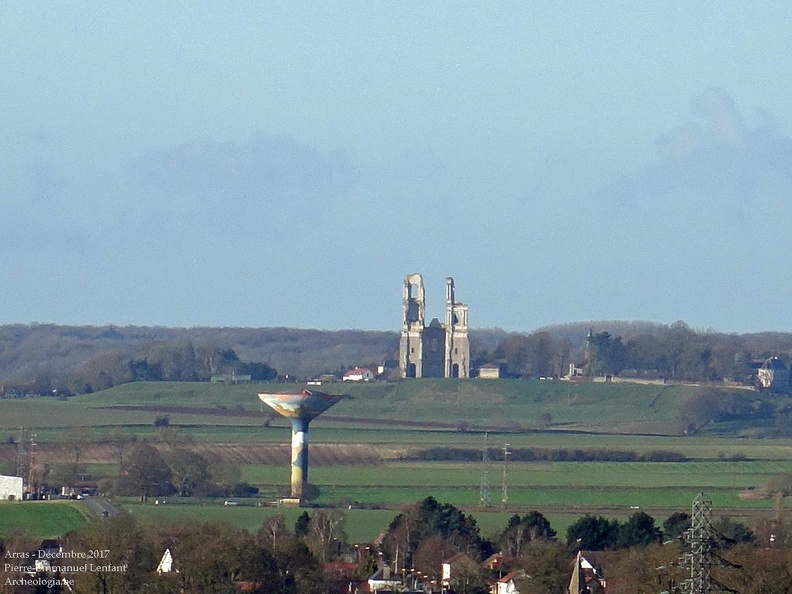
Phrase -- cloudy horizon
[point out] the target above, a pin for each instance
(288, 164)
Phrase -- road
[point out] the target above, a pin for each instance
(100, 507)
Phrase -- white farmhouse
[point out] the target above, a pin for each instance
(358, 374)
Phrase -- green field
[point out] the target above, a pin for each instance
(42, 519)
(577, 486)
(396, 421)
(575, 475)
(362, 525)
(506, 404)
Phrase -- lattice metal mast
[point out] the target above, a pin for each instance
(699, 559)
(702, 555)
(21, 453)
(505, 495)
(484, 493)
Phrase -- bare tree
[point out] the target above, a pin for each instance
(326, 528)
(120, 441)
(273, 530)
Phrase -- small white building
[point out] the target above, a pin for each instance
(10, 488)
(358, 374)
(489, 371)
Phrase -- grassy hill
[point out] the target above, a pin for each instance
(503, 405)
(366, 450)
(42, 519)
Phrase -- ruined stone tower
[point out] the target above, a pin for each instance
(436, 350)
(457, 346)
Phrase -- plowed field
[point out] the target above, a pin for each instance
(232, 453)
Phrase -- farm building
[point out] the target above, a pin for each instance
(10, 488)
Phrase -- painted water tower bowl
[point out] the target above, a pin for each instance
(300, 409)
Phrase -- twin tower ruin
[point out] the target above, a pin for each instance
(436, 350)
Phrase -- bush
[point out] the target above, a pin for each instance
(664, 456)
(244, 489)
(780, 483)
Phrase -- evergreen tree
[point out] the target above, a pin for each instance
(593, 533)
(639, 530)
(303, 525)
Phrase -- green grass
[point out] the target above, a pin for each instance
(580, 475)
(361, 525)
(508, 404)
(584, 416)
(42, 519)
(572, 486)
(504, 405)
(547, 499)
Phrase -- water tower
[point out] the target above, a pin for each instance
(300, 409)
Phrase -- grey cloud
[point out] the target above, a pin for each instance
(262, 165)
(717, 154)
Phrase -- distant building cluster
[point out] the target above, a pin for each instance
(433, 350)
(442, 350)
(358, 374)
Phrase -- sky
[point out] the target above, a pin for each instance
(259, 164)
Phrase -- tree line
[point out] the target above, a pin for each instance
(47, 359)
(40, 358)
(213, 557)
(673, 352)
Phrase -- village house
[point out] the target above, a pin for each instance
(773, 375)
(587, 573)
(384, 580)
(358, 374)
(509, 583)
(457, 569)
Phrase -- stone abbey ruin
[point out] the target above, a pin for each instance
(439, 349)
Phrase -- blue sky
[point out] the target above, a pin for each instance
(287, 164)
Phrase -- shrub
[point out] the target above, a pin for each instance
(780, 483)
(664, 456)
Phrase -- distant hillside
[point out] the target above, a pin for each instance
(43, 355)
(39, 352)
(40, 358)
